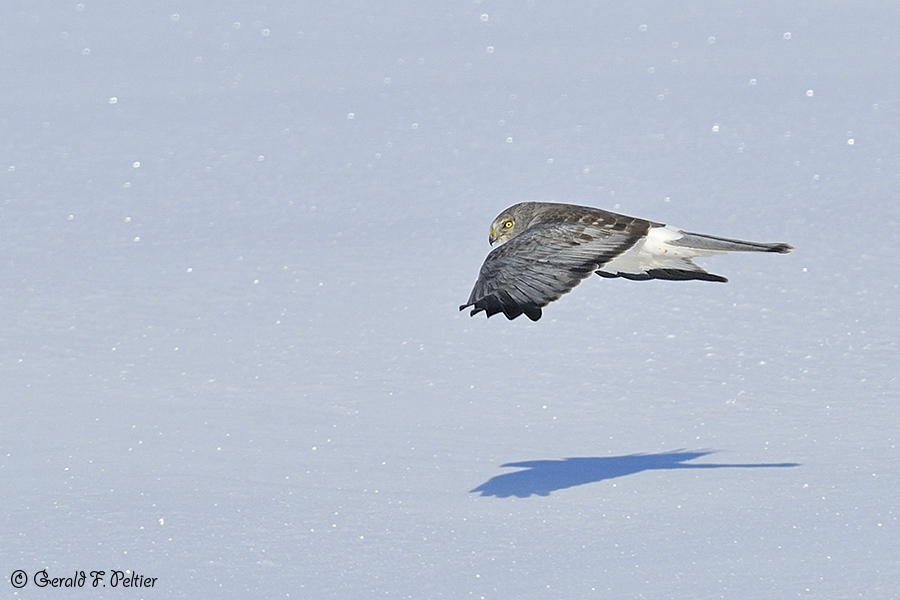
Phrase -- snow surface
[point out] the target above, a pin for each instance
(233, 240)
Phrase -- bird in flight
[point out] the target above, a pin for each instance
(546, 249)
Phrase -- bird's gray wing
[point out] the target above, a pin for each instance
(546, 261)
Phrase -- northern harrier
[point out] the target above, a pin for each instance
(546, 249)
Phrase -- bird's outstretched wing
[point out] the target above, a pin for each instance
(548, 260)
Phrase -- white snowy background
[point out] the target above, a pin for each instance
(234, 237)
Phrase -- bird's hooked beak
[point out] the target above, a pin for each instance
(491, 237)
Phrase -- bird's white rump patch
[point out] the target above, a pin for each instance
(655, 252)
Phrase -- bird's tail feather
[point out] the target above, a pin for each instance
(700, 241)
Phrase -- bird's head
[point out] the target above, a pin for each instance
(511, 222)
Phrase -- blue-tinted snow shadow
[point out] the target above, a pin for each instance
(541, 477)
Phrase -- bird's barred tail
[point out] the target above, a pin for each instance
(700, 241)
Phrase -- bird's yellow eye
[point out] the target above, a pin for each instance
(507, 225)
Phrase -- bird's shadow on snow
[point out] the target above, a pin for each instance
(541, 477)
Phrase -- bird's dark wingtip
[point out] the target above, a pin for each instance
(477, 309)
(533, 312)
